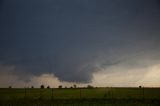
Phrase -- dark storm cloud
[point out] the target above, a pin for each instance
(75, 38)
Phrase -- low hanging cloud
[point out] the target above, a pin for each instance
(73, 40)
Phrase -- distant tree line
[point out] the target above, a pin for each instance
(60, 86)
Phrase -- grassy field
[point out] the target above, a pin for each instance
(80, 97)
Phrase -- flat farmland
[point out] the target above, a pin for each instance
(80, 96)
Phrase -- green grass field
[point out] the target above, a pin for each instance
(80, 97)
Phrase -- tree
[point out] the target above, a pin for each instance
(140, 86)
(60, 86)
(75, 86)
(90, 86)
(10, 87)
(42, 86)
(71, 87)
(48, 87)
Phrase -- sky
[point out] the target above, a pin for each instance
(97, 42)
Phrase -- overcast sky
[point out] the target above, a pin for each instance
(99, 42)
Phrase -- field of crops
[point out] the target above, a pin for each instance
(80, 97)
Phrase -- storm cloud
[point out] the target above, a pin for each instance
(73, 39)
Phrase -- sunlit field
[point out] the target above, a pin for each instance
(80, 96)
